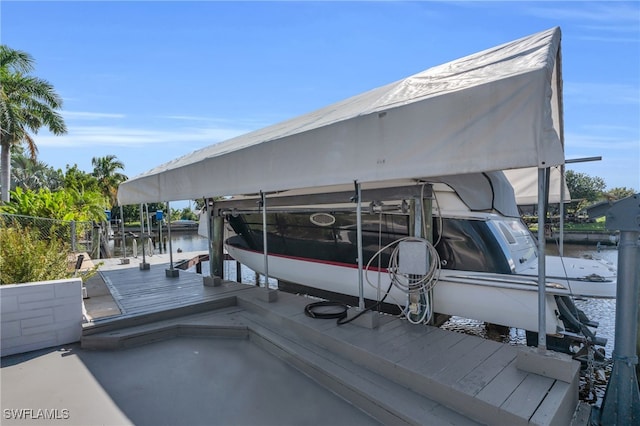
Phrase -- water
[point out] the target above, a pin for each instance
(190, 241)
(180, 241)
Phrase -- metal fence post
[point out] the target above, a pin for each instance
(72, 225)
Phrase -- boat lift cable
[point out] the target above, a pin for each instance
(422, 284)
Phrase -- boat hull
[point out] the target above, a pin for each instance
(508, 303)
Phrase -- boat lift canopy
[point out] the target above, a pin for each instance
(497, 109)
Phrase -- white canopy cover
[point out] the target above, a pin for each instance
(525, 186)
(494, 110)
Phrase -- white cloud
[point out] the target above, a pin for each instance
(83, 136)
(601, 93)
(575, 141)
(248, 123)
(85, 115)
(187, 118)
(610, 13)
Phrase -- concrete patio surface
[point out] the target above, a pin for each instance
(181, 381)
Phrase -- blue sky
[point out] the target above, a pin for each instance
(150, 81)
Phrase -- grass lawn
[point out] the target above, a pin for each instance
(597, 226)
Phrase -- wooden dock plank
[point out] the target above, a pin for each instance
(464, 370)
(475, 380)
(387, 336)
(419, 343)
(526, 398)
(468, 362)
(427, 349)
(139, 292)
(459, 350)
(555, 404)
(503, 385)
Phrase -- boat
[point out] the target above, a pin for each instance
(450, 130)
(487, 257)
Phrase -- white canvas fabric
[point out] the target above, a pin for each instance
(494, 110)
(525, 185)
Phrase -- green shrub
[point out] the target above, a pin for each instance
(26, 257)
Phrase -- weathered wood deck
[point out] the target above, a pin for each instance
(398, 373)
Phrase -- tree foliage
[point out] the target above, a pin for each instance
(74, 178)
(27, 104)
(106, 171)
(26, 257)
(27, 173)
(184, 214)
(584, 189)
(619, 193)
(65, 204)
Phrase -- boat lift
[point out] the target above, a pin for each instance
(621, 403)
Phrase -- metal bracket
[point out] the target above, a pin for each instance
(621, 215)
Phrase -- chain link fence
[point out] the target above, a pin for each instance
(81, 236)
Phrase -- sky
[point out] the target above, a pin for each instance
(150, 81)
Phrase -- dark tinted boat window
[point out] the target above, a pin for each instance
(465, 244)
(294, 234)
(470, 245)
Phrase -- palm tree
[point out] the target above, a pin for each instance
(105, 169)
(33, 174)
(27, 103)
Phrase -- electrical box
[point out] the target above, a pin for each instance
(412, 258)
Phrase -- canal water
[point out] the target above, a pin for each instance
(600, 310)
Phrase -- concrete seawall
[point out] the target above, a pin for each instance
(587, 237)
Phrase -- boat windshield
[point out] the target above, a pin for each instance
(516, 241)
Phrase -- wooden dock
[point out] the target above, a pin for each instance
(398, 373)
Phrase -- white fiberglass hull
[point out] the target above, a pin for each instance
(484, 297)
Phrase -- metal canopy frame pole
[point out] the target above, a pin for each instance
(210, 225)
(122, 241)
(542, 296)
(561, 210)
(170, 273)
(359, 238)
(214, 242)
(144, 265)
(263, 203)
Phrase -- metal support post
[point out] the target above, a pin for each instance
(621, 403)
(212, 280)
(124, 260)
(359, 238)
(561, 211)
(160, 233)
(210, 210)
(268, 295)
(417, 219)
(144, 266)
(542, 305)
(217, 261)
(263, 202)
(170, 273)
(73, 236)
